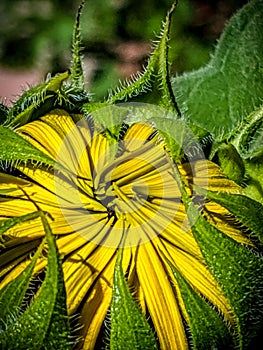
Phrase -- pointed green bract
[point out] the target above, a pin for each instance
(12, 295)
(207, 328)
(8, 223)
(15, 148)
(246, 210)
(43, 98)
(248, 140)
(58, 332)
(77, 77)
(230, 162)
(44, 324)
(238, 270)
(153, 86)
(219, 95)
(36, 101)
(248, 137)
(129, 328)
(254, 186)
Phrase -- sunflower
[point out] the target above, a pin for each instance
(108, 194)
(121, 224)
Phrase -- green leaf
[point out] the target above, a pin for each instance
(15, 148)
(230, 162)
(58, 332)
(248, 136)
(44, 324)
(218, 96)
(8, 223)
(129, 328)
(241, 157)
(153, 86)
(246, 210)
(208, 330)
(77, 77)
(12, 295)
(248, 140)
(37, 101)
(254, 171)
(238, 270)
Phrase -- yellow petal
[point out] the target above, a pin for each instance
(208, 175)
(96, 306)
(222, 219)
(160, 299)
(137, 135)
(196, 272)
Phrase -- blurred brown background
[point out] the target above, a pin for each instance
(35, 38)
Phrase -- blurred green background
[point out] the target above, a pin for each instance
(117, 34)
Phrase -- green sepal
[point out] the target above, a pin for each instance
(9, 223)
(36, 101)
(207, 328)
(14, 148)
(44, 324)
(230, 86)
(241, 159)
(248, 140)
(246, 210)
(254, 182)
(152, 86)
(230, 162)
(77, 76)
(180, 138)
(58, 332)
(183, 139)
(129, 328)
(12, 295)
(248, 136)
(43, 98)
(237, 269)
(107, 118)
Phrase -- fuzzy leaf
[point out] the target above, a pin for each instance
(8, 223)
(248, 137)
(58, 332)
(230, 162)
(248, 140)
(45, 323)
(36, 101)
(15, 148)
(208, 331)
(219, 95)
(246, 210)
(238, 270)
(254, 171)
(11, 296)
(241, 157)
(153, 86)
(129, 328)
(77, 77)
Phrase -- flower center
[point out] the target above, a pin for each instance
(127, 187)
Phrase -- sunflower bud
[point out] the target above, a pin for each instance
(117, 227)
